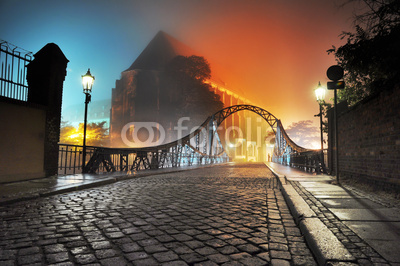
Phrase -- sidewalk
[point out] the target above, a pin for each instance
(339, 225)
(42, 187)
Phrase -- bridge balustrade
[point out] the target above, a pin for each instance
(101, 159)
(188, 150)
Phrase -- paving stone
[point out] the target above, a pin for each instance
(204, 237)
(131, 230)
(139, 236)
(236, 241)
(146, 262)
(304, 260)
(228, 250)
(148, 242)
(165, 238)
(249, 248)
(24, 251)
(114, 234)
(101, 245)
(166, 256)
(254, 261)
(183, 250)
(105, 253)
(175, 263)
(279, 254)
(85, 258)
(80, 250)
(194, 244)
(264, 256)
(206, 263)
(241, 255)
(57, 257)
(276, 239)
(258, 240)
(136, 256)
(216, 243)
(155, 248)
(206, 251)
(182, 237)
(279, 262)
(54, 248)
(218, 258)
(29, 259)
(278, 246)
(192, 258)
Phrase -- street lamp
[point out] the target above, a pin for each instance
(87, 82)
(335, 74)
(320, 95)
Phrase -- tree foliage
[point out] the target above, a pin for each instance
(371, 54)
(191, 96)
(194, 67)
(96, 134)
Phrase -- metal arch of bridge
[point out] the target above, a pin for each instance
(202, 146)
(286, 151)
(273, 122)
(221, 115)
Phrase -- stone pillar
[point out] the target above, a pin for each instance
(45, 77)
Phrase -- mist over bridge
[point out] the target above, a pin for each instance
(203, 146)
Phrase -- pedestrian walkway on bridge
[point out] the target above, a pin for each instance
(330, 214)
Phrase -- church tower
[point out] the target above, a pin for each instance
(137, 95)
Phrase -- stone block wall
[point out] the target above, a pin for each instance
(369, 140)
(21, 140)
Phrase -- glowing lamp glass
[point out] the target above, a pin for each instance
(87, 82)
(320, 93)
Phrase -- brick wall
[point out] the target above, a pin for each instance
(369, 140)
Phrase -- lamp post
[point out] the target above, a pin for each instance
(320, 95)
(335, 73)
(87, 82)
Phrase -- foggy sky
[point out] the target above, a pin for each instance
(273, 50)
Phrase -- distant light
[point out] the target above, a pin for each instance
(87, 82)
(320, 92)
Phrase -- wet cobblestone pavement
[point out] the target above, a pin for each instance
(220, 215)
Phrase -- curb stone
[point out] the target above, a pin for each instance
(323, 243)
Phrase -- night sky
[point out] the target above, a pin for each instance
(272, 50)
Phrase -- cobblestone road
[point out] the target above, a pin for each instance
(223, 215)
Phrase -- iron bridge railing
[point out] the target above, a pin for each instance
(287, 152)
(101, 159)
(202, 146)
(13, 82)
